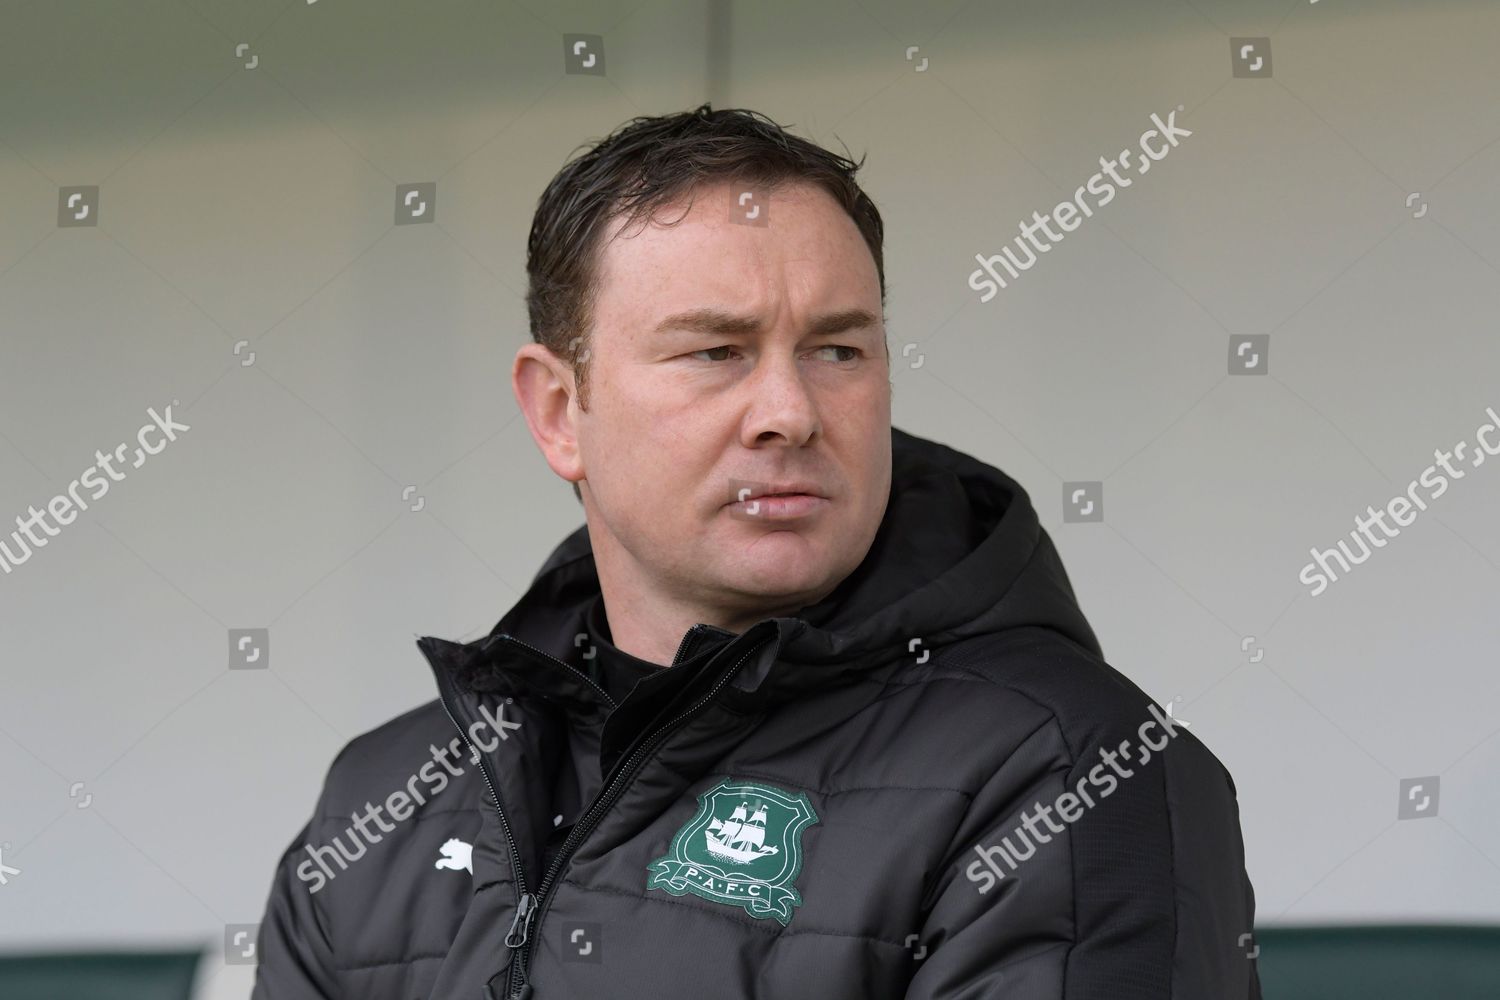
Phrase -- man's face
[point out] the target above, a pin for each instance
(688, 416)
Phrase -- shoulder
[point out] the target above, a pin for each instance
(389, 756)
(1049, 670)
(1036, 685)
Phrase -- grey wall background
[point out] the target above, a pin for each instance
(148, 789)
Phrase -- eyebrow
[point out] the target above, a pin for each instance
(716, 321)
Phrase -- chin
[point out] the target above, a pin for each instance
(783, 562)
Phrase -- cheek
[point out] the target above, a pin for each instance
(644, 463)
(876, 475)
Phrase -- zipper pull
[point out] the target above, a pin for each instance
(524, 912)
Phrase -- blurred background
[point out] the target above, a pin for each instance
(204, 204)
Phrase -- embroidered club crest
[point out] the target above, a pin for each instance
(742, 848)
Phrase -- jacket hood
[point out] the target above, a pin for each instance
(959, 553)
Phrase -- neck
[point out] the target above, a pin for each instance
(648, 621)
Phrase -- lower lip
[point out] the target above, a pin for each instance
(782, 508)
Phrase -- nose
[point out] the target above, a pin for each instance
(781, 408)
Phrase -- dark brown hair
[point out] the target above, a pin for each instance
(644, 165)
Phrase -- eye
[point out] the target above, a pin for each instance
(854, 352)
(709, 349)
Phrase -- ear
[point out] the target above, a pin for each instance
(545, 391)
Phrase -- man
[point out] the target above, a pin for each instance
(805, 709)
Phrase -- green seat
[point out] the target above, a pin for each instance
(99, 976)
(1380, 961)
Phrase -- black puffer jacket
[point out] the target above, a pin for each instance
(849, 803)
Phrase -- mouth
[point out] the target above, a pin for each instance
(768, 491)
(777, 502)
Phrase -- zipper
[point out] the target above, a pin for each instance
(515, 861)
(507, 637)
(518, 988)
(526, 907)
(683, 645)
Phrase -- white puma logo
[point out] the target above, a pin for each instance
(456, 855)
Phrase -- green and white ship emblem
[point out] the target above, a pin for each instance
(743, 848)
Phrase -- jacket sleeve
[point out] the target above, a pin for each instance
(1141, 895)
(295, 959)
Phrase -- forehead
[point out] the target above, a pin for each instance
(694, 255)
